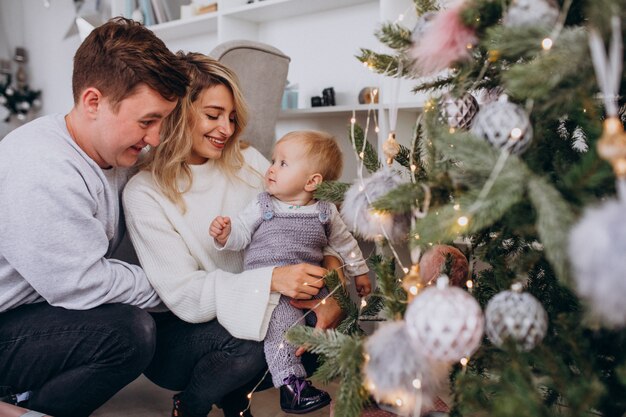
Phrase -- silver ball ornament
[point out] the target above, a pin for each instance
(445, 323)
(518, 316)
(396, 374)
(504, 125)
(366, 222)
(596, 251)
(458, 112)
(531, 13)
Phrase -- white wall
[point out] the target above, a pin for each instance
(41, 30)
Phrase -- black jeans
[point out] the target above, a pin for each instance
(202, 360)
(73, 361)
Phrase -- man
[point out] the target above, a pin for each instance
(73, 330)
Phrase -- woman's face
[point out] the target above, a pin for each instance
(214, 124)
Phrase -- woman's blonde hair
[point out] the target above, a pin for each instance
(168, 161)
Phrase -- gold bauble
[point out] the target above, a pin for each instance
(391, 147)
(412, 283)
(612, 145)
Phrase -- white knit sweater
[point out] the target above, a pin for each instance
(195, 281)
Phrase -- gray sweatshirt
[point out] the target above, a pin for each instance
(59, 222)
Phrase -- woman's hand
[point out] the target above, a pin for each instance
(301, 281)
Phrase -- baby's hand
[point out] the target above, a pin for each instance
(363, 285)
(220, 229)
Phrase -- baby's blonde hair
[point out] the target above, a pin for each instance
(321, 149)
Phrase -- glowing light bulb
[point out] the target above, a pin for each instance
(451, 130)
(352, 120)
(516, 133)
(406, 270)
(413, 290)
(464, 361)
(469, 283)
(249, 395)
(363, 303)
(324, 301)
(457, 207)
(281, 346)
(417, 236)
(399, 402)
(376, 129)
(413, 167)
(546, 44)
(361, 155)
(462, 221)
(417, 383)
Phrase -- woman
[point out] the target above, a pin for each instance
(208, 342)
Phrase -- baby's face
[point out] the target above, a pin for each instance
(286, 178)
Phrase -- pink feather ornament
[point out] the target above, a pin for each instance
(446, 40)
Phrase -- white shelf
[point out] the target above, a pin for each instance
(197, 25)
(263, 11)
(330, 111)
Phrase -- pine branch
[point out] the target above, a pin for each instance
(370, 156)
(342, 358)
(394, 36)
(332, 191)
(423, 6)
(394, 296)
(401, 199)
(350, 325)
(554, 220)
(375, 303)
(384, 63)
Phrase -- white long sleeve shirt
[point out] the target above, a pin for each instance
(195, 281)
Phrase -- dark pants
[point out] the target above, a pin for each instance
(203, 361)
(73, 361)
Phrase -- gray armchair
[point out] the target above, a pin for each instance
(262, 71)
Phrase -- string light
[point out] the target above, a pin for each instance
(376, 129)
(417, 236)
(413, 167)
(363, 302)
(352, 120)
(546, 44)
(464, 361)
(452, 130)
(457, 207)
(281, 346)
(516, 133)
(469, 284)
(399, 402)
(462, 221)
(361, 155)
(249, 395)
(417, 383)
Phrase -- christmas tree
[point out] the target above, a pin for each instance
(527, 183)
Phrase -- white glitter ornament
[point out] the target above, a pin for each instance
(366, 222)
(397, 375)
(445, 323)
(458, 112)
(504, 125)
(531, 13)
(596, 250)
(515, 315)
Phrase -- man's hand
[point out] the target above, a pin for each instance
(220, 229)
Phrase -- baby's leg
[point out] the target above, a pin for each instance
(282, 361)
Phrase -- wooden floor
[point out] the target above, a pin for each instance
(144, 399)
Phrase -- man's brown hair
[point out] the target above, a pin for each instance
(120, 55)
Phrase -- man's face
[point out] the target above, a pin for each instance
(120, 136)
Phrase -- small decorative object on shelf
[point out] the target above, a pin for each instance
(18, 99)
(290, 97)
(368, 95)
(328, 96)
(316, 101)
